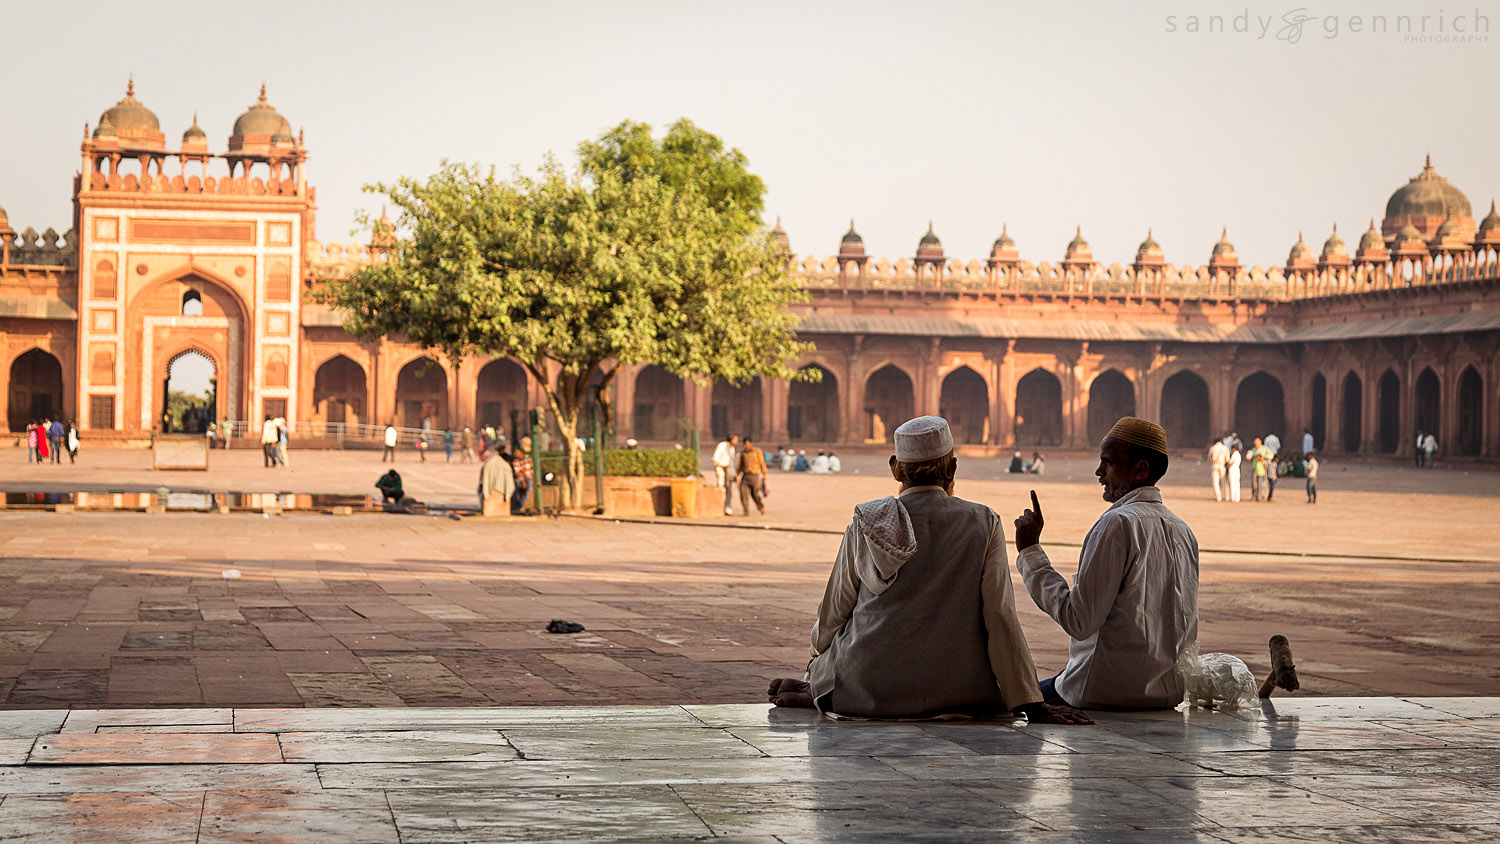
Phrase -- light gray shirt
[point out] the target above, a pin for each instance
(1132, 608)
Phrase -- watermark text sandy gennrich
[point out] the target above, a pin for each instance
(1292, 26)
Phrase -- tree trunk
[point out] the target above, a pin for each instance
(567, 426)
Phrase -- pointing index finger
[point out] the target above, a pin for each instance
(1035, 505)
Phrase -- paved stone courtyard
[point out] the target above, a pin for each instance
(1351, 770)
(1386, 586)
(386, 678)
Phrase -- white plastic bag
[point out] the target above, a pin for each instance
(1215, 681)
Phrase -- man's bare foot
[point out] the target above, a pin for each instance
(1046, 713)
(789, 691)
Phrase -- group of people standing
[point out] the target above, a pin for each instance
(1268, 464)
(1427, 446)
(741, 466)
(47, 439)
(273, 438)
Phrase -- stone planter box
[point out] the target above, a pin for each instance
(640, 497)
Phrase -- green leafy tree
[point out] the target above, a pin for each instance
(652, 251)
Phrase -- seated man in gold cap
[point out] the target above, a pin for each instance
(919, 618)
(1133, 606)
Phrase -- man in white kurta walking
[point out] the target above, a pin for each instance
(1133, 606)
(1218, 458)
(919, 617)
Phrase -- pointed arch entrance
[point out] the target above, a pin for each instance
(965, 403)
(1317, 423)
(735, 410)
(1388, 413)
(660, 405)
(1352, 414)
(422, 393)
(500, 397)
(812, 410)
(1259, 407)
(889, 399)
(1470, 413)
(1184, 410)
(1429, 404)
(340, 393)
(189, 393)
(1039, 409)
(36, 389)
(194, 311)
(1111, 396)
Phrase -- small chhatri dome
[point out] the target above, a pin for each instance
(1078, 246)
(1428, 195)
(106, 130)
(1409, 239)
(1334, 247)
(1003, 241)
(1149, 248)
(1301, 252)
(134, 125)
(129, 113)
(259, 127)
(4, 217)
(852, 246)
(195, 132)
(778, 236)
(1224, 249)
(1451, 237)
(1371, 240)
(1489, 228)
(1449, 228)
(929, 246)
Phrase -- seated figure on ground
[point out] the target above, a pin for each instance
(389, 485)
(918, 618)
(820, 463)
(1017, 465)
(1132, 608)
(1038, 464)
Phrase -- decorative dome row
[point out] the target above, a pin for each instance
(129, 123)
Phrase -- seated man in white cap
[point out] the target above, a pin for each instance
(919, 618)
(1133, 606)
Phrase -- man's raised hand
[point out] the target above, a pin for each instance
(1029, 525)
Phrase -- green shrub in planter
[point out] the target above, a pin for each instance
(633, 463)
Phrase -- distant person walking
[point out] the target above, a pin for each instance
(520, 466)
(1429, 448)
(281, 441)
(1307, 442)
(73, 441)
(1312, 478)
(725, 458)
(448, 445)
(1234, 474)
(55, 435)
(390, 444)
(752, 472)
(32, 455)
(1259, 456)
(1417, 455)
(468, 446)
(43, 448)
(1218, 459)
(268, 437)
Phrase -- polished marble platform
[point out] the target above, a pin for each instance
(1356, 770)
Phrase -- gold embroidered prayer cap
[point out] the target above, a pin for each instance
(1140, 432)
(922, 439)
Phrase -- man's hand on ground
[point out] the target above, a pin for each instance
(1046, 713)
(1029, 525)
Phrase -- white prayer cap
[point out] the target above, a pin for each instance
(922, 439)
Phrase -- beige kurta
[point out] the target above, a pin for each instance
(919, 616)
(1132, 608)
(496, 478)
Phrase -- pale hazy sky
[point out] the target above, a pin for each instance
(1042, 115)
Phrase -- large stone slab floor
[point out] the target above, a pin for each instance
(1374, 769)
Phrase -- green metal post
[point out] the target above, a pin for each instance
(598, 460)
(536, 462)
